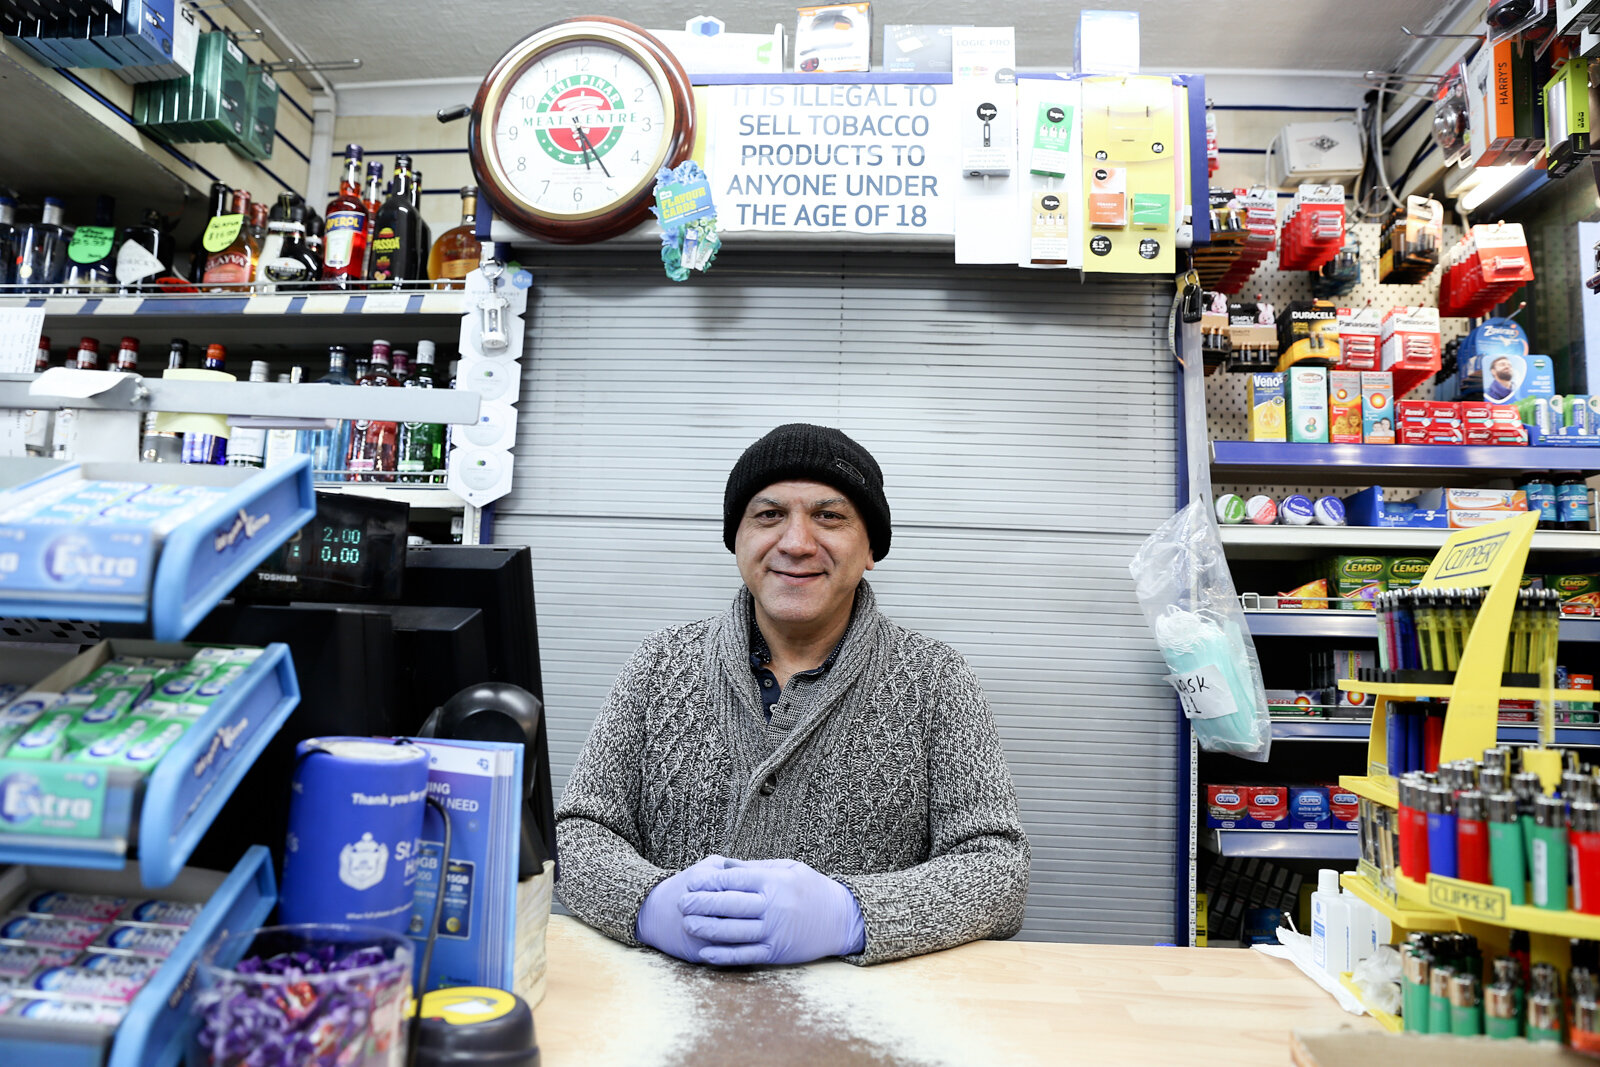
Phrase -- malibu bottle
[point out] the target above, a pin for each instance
(344, 243)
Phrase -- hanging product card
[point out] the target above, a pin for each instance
(1132, 155)
(1052, 138)
(1049, 241)
(835, 37)
(91, 244)
(689, 240)
(985, 77)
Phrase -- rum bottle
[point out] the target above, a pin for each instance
(455, 254)
(233, 251)
(344, 248)
(374, 445)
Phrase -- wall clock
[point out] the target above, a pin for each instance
(570, 126)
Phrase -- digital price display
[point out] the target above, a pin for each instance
(355, 549)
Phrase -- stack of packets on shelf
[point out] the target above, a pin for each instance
(82, 958)
(1313, 232)
(127, 714)
(70, 502)
(1281, 807)
(1484, 269)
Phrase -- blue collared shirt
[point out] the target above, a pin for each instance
(760, 665)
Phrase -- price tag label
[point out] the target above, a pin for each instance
(64, 305)
(446, 303)
(385, 303)
(267, 305)
(221, 232)
(136, 262)
(1204, 693)
(91, 244)
(119, 305)
(325, 304)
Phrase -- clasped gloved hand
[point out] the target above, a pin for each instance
(660, 924)
(768, 911)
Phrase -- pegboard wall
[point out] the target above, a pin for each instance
(1227, 409)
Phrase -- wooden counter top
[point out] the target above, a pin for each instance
(991, 1002)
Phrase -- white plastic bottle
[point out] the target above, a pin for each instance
(1330, 925)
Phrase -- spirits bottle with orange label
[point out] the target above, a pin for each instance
(344, 250)
(455, 254)
(231, 249)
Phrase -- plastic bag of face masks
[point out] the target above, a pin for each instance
(1186, 591)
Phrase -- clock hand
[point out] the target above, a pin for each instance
(590, 148)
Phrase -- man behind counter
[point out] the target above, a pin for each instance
(798, 777)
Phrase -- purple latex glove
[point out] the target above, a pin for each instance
(660, 923)
(770, 911)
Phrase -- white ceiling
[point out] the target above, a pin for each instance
(414, 39)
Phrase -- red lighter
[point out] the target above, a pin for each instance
(1413, 831)
(1472, 837)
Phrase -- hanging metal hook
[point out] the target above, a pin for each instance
(295, 66)
(1519, 310)
(1380, 76)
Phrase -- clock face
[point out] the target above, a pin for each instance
(572, 124)
(582, 129)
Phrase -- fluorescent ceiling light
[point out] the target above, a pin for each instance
(1491, 180)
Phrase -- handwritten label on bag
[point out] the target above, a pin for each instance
(1204, 693)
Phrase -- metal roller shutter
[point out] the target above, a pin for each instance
(1024, 426)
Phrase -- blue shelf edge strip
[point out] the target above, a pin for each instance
(1536, 456)
(230, 305)
(1352, 729)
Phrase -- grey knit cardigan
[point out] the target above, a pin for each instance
(885, 773)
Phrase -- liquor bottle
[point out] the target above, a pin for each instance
(372, 195)
(344, 250)
(233, 252)
(91, 254)
(289, 207)
(400, 365)
(127, 357)
(425, 232)
(258, 222)
(88, 354)
(293, 267)
(421, 443)
(359, 371)
(8, 240)
(248, 445)
(314, 238)
(374, 445)
(144, 256)
(281, 444)
(328, 448)
(205, 447)
(396, 242)
(455, 254)
(37, 423)
(42, 250)
(219, 197)
(164, 446)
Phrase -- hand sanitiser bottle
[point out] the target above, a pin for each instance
(1330, 925)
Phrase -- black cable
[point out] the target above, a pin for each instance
(433, 933)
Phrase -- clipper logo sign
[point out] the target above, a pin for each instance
(71, 559)
(362, 863)
(581, 102)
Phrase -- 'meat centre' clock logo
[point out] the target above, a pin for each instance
(581, 102)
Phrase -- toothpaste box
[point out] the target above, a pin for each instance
(1344, 407)
(1308, 808)
(1268, 408)
(1308, 405)
(1377, 407)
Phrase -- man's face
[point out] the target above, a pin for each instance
(802, 548)
(1501, 368)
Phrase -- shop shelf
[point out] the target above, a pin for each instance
(1491, 905)
(1391, 1023)
(171, 582)
(160, 1020)
(1400, 913)
(1360, 465)
(154, 310)
(1310, 542)
(1405, 691)
(436, 497)
(1379, 790)
(1295, 622)
(165, 815)
(1285, 844)
(1321, 729)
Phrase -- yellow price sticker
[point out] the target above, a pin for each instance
(1471, 899)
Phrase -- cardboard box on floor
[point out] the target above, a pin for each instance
(1363, 1048)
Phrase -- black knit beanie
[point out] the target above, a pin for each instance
(803, 452)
